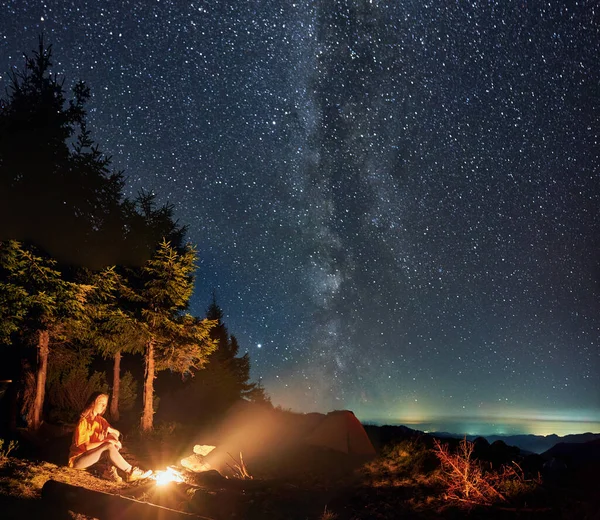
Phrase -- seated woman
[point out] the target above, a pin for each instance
(93, 436)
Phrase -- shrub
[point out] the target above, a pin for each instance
(164, 432)
(69, 392)
(5, 452)
(239, 468)
(411, 457)
(464, 477)
(468, 482)
(127, 392)
(402, 462)
(328, 515)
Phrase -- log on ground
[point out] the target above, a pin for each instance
(103, 505)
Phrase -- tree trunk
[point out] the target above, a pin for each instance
(26, 391)
(114, 402)
(43, 349)
(148, 413)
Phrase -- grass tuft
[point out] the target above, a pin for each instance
(5, 452)
(239, 468)
(328, 515)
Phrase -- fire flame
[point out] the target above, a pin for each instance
(169, 475)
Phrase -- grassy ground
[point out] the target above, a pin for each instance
(406, 480)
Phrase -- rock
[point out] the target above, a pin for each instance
(195, 463)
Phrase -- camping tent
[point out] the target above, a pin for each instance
(341, 431)
(282, 438)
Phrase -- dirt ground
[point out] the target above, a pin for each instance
(302, 485)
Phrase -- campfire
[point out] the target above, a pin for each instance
(166, 476)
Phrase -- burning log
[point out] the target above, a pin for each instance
(169, 475)
(107, 506)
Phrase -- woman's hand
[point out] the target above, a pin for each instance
(115, 442)
(113, 431)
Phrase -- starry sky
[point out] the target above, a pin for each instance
(396, 202)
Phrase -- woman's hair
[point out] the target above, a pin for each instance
(91, 403)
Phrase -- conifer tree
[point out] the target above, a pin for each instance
(42, 306)
(226, 378)
(56, 188)
(235, 370)
(13, 296)
(174, 340)
(112, 330)
(147, 224)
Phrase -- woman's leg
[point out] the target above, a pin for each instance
(90, 457)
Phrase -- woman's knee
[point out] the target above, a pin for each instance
(112, 448)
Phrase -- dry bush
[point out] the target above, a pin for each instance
(328, 515)
(464, 478)
(467, 482)
(239, 468)
(512, 483)
(5, 452)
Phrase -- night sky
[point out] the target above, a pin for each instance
(396, 202)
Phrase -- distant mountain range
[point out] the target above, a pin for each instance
(529, 443)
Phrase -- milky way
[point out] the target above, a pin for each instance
(397, 203)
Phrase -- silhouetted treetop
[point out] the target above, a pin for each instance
(57, 190)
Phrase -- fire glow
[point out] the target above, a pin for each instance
(169, 475)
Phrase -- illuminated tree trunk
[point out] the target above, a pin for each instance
(148, 412)
(43, 349)
(114, 402)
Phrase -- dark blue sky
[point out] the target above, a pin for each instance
(396, 202)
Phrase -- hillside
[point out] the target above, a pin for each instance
(529, 443)
(408, 477)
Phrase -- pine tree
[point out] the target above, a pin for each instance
(13, 296)
(174, 340)
(226, 378)
(147, 224)
(58, 194)
(42, 306)
(56, 188)
(236, 368)
(112, 330)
